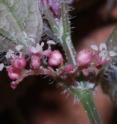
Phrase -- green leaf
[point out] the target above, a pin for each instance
(86, 98)
(20, 22)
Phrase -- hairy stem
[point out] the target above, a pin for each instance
(67, 42)
(86, 98)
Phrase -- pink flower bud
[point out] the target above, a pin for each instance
(13, 73)
(13, 85)
(13, 76)
(35, 61)
(84, 57)
(19, 63)
(69, 69)
(100, 61)
(55, 58)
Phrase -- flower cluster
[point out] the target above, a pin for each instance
(36, 62)
(97, 55)
(42, 59)
(93, 59)
(51, 62)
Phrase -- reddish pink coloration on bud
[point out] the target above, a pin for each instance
(35, 61)
(84, 57)
(13, 73)
(100, 62)
(69, 69)
(19, 63)
(55, 58)
(13, 76)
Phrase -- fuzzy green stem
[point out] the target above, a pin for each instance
(86, 98)
(67, 42)
(62, 32)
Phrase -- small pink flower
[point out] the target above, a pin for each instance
(84, 57)
(55, 58)
(13, 85)
(35, 61)
(19, 63)
(99, 61)
(69, 69)
(13, 73)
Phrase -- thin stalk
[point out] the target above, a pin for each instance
(62, 31)
(66, 37)
(86, 98)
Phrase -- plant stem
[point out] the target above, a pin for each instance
(62, 31)
(67, 42)
(86, 98)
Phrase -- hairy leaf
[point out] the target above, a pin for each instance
(20, 23)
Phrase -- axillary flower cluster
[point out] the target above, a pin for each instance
(37, 62)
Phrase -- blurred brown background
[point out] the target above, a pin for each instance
(41, 103)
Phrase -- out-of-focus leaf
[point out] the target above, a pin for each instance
(20, 23)
(108, 79)
(112, 41)
(108, 75)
